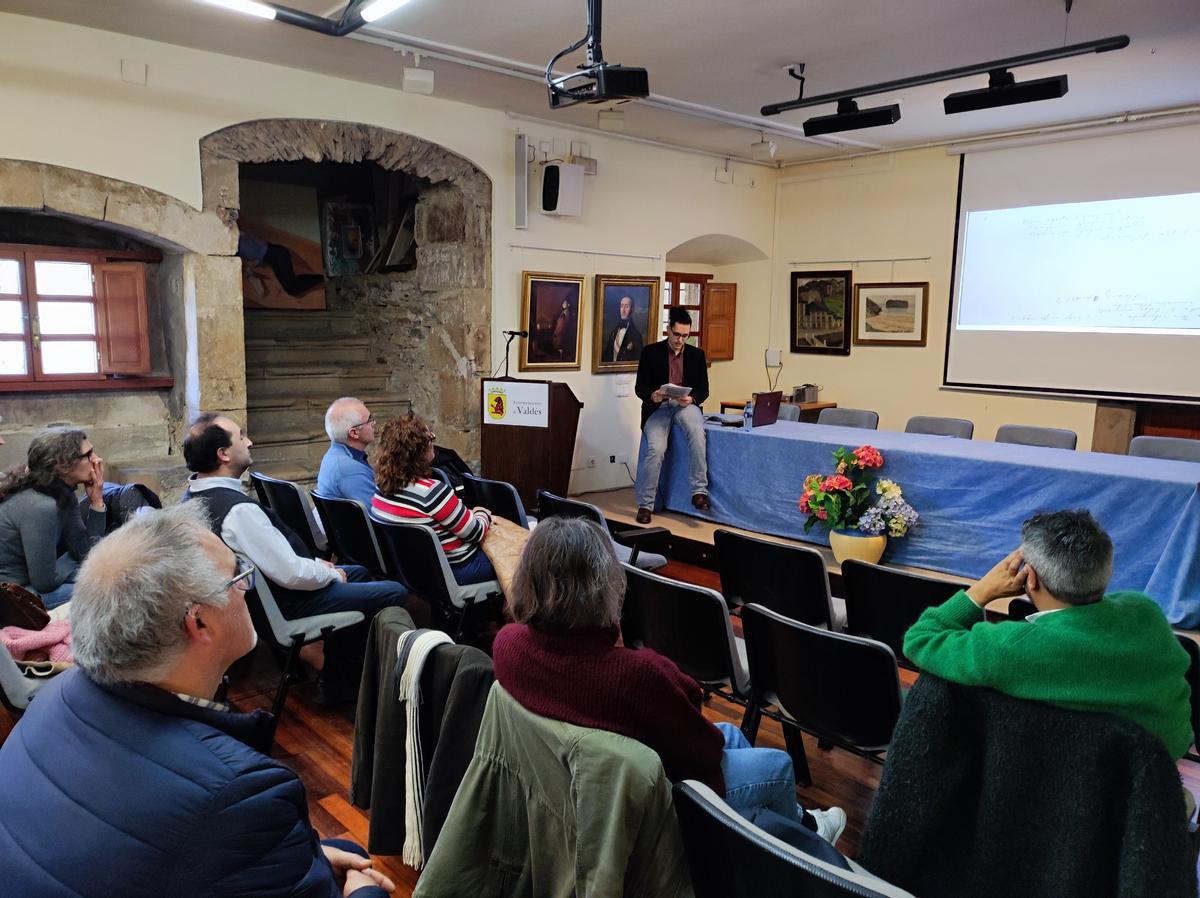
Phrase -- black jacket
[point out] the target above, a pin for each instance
(988, 795)
(653, 373)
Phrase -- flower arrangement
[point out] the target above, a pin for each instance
(850, 499)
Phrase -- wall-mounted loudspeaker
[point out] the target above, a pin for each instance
(521, 173)
(562, 188)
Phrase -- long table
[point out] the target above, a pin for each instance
(972, 498)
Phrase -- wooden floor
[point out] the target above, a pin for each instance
(317, 743)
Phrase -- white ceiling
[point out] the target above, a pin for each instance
(727, 59)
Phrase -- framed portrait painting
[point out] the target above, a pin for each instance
(551, 305)
(821, 312)
(626, 318)
(891, 314)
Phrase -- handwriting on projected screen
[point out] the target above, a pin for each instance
(1109, 266)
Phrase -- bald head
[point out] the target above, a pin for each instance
(349, 421)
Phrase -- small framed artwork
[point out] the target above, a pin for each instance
(626, 318)
(551, 305)
(821, 312)
(891, 314)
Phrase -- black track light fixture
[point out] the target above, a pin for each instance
(1004, 90)
(850, 118)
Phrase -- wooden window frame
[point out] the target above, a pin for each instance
(673, 279)
(124, 374)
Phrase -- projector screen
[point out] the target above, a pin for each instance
(1077, 268)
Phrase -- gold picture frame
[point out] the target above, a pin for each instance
(634, 331)
(891, 314)
(551, 314)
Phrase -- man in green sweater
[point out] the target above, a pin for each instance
(1083, 650)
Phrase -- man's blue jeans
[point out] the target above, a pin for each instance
(688, 420)
(758, 777)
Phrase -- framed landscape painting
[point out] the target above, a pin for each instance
(550, 311)
(891, 314)
(626, 318)
(821, 312)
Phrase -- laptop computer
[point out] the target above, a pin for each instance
(766, 411)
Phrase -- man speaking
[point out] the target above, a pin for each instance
(671, 361)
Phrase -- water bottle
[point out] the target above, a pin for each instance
(748, 415)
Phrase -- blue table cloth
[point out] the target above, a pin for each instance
(972, 498)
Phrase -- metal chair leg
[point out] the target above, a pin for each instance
(794, 740)
(289, 676)
(750, 722)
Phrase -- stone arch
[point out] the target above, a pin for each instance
(432, 325)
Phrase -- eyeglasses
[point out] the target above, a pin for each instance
(370, 420)
(87, 454)
(243, 578)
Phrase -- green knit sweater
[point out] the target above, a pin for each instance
(1116, 656)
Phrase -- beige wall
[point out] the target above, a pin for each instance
(888, 207)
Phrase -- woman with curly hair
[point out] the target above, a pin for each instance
(409, 494)
(43, 535)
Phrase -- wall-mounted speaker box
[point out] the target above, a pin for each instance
(562, 188)
(521, 172)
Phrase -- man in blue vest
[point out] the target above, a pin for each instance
(218, 452)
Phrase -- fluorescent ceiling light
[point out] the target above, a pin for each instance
(850, 118)
(249, 7)
(380, 8)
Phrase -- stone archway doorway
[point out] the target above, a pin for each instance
(398, 340)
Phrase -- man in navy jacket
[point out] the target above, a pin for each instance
(124, 778)
(671, 361)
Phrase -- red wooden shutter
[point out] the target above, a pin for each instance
(121, 315)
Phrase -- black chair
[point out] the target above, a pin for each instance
(789, 579)
(498, 496)
(688, 624)
(882, 602)
(631, 540)
(729, 857)
(1193, 677)
(287, 500)
(844, 690)
(413, 556)
(348, 529)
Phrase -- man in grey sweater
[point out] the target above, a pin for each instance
(43, 534)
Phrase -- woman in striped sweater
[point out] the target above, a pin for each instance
(408, 494)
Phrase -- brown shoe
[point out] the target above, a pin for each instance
(643, 516)
(700, 501)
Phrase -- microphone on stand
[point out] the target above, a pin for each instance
(516, 333)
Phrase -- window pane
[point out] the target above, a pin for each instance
(12, 358)
(67, 317)
(69, 357)
(689, 294)
(10, 317)
(63, 278)
(667, 285)
(10, 276)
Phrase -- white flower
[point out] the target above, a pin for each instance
(888, 489)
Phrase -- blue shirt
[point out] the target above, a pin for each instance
(345, 474)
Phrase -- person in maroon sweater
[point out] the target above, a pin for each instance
(560, 660)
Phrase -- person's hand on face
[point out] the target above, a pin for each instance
(94, 485)
(1007, 578)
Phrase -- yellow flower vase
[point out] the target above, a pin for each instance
(854, 544)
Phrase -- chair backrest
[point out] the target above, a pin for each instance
(789, 412)
(550, 505)
(882, 602)
(730, 857)
(1193, 678)
(348, 529)
(849, 417)
(1028, 435)
(439, 474)
(838, 687)
(497, 496)
(1176, 448)
(287, 500)
(789, 579)
(413, 555)
(16, 689)
(688, 624)
(942, 427)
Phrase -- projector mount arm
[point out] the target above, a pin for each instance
(595, 59)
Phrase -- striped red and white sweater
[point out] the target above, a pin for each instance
(434, 504)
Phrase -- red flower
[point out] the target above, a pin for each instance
(868, 457)
(821, 513)
(804, 502)
(836, 482)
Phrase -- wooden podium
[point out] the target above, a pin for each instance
(528, 434)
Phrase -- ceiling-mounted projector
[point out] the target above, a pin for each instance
(596, 81)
